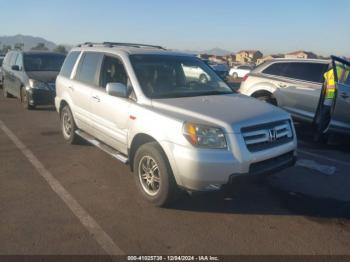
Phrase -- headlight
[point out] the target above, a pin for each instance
(204, 136)
(37, 84)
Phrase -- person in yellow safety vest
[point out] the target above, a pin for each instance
(330, 83)
(324, 117)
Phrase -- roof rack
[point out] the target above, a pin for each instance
(112, 44)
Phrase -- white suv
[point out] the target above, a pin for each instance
(137, 103)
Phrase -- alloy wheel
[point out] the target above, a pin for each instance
(149, 175)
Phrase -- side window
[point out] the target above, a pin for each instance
(344, 77)
(13, 59)
(88, 68)
(69, 63)
(112, 71)
(19, 61)
(311, 72)
(276, 69)
(245, 68)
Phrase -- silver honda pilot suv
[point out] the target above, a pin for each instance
(144, 106)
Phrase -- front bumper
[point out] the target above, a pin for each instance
(41, 96)
(206, 170)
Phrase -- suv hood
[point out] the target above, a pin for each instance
(43, 76)
(232, 112)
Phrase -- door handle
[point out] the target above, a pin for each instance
(282, 85)
(344, 95)
(96, 98)
(71, 88)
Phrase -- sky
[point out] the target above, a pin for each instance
(271, 26)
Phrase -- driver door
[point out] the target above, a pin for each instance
(341, 115)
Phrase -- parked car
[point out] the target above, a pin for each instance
(139, 104)
(292, 84)
(31, 76)
(240, 71)
(220, 69)
(1, 61)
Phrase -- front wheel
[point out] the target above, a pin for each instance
(153, 175)
(4, 90)
(24, 100)
(68, 126)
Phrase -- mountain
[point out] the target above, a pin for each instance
(28, 41)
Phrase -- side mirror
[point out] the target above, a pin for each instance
(117, 89)
(15, 68)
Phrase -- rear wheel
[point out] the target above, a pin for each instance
(266, 97)
(24, 100)
(153, 175)
(68, 126)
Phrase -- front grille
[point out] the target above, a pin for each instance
(265, 136)
(273, 164)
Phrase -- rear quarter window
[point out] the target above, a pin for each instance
(69, 63)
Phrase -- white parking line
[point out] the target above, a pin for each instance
(104, 240)
(324, 158)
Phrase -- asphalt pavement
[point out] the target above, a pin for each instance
(57, 198)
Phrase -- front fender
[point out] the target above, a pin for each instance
(161, 128)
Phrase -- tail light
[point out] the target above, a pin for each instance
(245, 77)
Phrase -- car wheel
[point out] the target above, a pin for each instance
(234, 75)
(203, 79)
(4, 90)
(68, 126)
(154, 176)
(267, 98)
(24, 100)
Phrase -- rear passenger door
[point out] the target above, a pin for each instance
(18, 75)
(110, 113)
(10, 74)
(80, 89)
(303, 87)
(298, 86)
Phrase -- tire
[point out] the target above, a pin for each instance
(25, 101)
(68, 126)
(267, 98)
(203, 79)
(153, 175)
(234, 75)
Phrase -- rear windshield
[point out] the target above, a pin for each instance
(43, 62)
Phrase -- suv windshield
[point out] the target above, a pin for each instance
(43, 62)
(168, 76)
